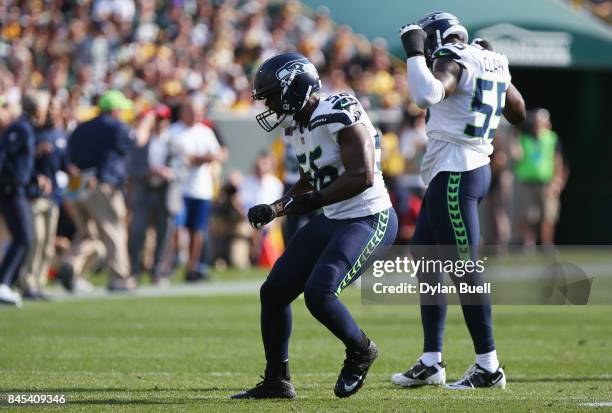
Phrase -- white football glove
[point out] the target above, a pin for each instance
(413, 39)
(407, 27)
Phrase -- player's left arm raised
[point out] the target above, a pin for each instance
(427, 87)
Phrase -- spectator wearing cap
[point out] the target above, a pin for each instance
(16, 169)
(99, 148)
(156, 198)
(50, 157)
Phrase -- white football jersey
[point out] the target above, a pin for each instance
(461, 127)
(318, 154)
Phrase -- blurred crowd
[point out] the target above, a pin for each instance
(109, 161)
(165, 64)
(157, 51)
(599, 8)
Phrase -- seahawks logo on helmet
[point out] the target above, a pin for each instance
(432, 17)
(295, 67)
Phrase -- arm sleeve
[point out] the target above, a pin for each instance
(425, 89)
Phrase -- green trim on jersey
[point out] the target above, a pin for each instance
(366, 253)
(454, 214)
(445, 52)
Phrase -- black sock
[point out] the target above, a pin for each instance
(278, 370)
(364, 344)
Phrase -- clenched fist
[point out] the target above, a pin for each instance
(413, 39)
(260, 215)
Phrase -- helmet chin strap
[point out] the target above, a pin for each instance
(303, 105)
(306, 97)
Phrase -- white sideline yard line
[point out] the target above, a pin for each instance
(596, 404)
(252, 286)
(178, 290)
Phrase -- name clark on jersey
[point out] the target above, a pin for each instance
(493, 65)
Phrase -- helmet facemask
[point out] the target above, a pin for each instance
(271, 119)
(291, 79)
(264, 120)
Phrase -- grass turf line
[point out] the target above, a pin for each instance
(192, 353)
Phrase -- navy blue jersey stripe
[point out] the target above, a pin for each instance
(445, 52)
(330, 118)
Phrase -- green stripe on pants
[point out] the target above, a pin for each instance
(454, 214)
(366, 253)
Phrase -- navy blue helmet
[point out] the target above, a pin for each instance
(291, 77)
(439, 25)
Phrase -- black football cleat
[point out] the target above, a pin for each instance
(477, 377)
(421, 375)
(276, 388)
(353, 373)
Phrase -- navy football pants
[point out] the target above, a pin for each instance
(18, 217)
(449, 218)
(321, 259)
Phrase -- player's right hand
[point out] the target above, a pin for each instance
(413, 39)
(260, 215)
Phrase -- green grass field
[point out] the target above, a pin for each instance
(190, 353)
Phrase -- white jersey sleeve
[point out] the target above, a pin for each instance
(461, 127)
(337, 112)
(318, 154)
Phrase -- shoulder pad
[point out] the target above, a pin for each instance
(341, 101)
(342, 108)
(446, 51)
(330, 118)
(345, 102)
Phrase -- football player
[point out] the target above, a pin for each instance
(338, 151)
(467, 88)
